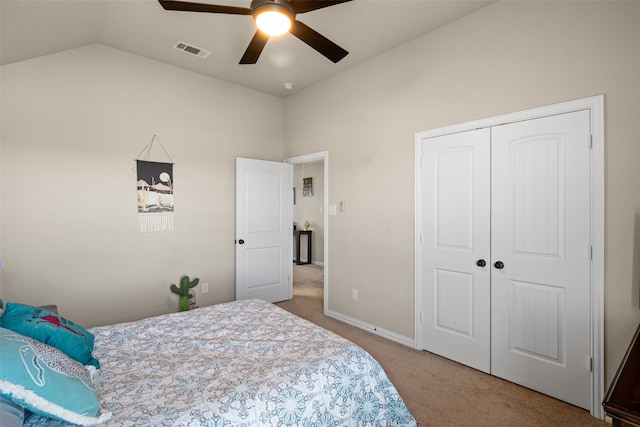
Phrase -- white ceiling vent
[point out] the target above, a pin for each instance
(191, 49)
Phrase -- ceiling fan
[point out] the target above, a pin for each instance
(283, 12)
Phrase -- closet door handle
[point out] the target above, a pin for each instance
(499, 265)
(481, 263)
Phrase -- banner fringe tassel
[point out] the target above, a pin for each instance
(153, 222)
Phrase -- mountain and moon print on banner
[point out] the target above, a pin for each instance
(155, 196)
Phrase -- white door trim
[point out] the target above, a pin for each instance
(324, 156)
(595, 105)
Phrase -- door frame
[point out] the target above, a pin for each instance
(306, 158)
(595, 105)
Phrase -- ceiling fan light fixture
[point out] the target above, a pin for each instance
(283, 12)
(273, 19)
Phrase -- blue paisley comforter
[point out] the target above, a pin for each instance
(244, 363)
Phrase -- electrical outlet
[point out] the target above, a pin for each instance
(205, 288)
(354, 294)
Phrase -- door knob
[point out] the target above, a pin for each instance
(481, 263)
(499, 265)
(241, 241)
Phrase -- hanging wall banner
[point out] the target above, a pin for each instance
(155, 196)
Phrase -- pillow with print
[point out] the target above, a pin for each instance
(45, 381)
(52, 329)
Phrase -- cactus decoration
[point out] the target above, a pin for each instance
(184, 291)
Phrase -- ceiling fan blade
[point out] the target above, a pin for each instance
(255, 47)
(317, 41)
(302, 6)
(186, 6)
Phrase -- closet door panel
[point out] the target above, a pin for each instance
(540, 234)
(456, 291)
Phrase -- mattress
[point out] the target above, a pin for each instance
(244, 363)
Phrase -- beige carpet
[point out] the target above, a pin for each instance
(308, 281)
(437, 391)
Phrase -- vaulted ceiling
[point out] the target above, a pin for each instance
(365, 28)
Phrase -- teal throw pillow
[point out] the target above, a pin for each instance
(50, 328)
(46, 381)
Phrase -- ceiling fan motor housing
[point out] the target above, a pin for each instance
(282, 6)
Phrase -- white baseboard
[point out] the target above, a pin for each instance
(400, 339)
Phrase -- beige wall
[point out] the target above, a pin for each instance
(309, 208)
(72, 125)
(507, 57)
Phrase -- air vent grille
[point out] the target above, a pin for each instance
(191, 49)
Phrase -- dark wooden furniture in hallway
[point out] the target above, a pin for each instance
(297, 234)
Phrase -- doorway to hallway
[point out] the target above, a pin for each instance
(310, 192)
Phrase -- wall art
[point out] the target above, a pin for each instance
(155, 196)
(307, 187)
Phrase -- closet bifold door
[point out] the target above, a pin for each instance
(456, 270)
(540, 290)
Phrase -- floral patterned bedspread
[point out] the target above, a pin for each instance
(244, 363)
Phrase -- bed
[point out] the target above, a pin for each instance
(243, 363)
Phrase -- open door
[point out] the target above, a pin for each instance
(264, 205)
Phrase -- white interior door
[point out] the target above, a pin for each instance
(264, 226)
(516, 196)
(540, 233)
(456, 284)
